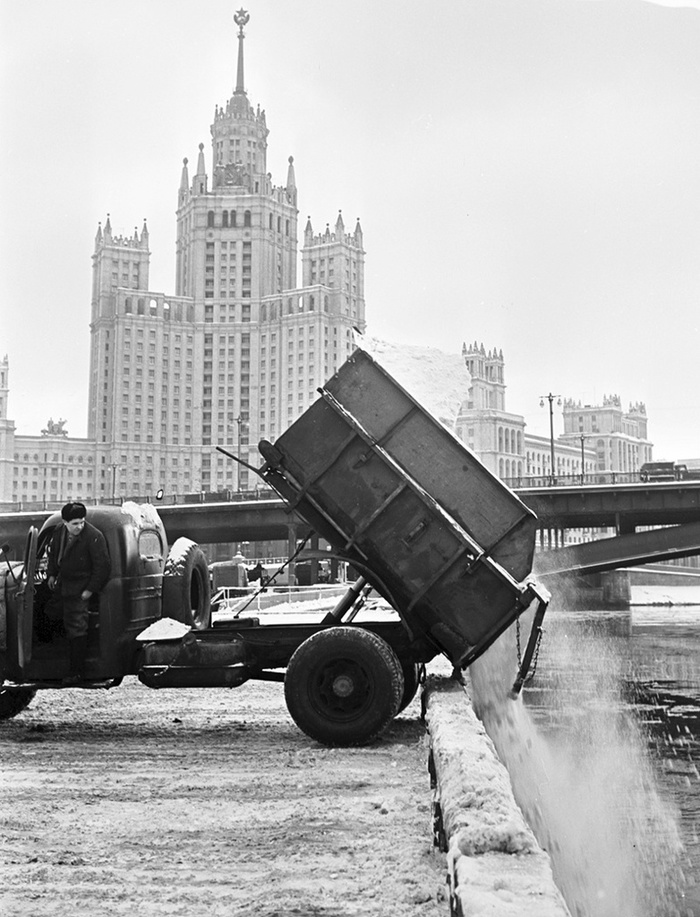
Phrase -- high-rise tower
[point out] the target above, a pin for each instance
(239, 351)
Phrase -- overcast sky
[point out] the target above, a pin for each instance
(527, 174)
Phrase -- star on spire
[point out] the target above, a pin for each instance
(241, 17)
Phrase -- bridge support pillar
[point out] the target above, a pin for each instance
(314, 563)
(617, 588)
(624, 526)
(291, 548)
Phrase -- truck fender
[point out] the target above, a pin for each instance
(13, 701)
(186, 587)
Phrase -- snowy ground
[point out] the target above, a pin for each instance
(209, 802)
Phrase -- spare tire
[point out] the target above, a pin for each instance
(186, 588)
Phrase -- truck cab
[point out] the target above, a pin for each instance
(141, 576)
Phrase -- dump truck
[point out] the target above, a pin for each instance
(402, 500)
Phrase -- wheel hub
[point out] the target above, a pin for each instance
(343, 686)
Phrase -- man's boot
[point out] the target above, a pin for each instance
(77, 648)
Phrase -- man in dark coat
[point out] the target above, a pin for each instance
(78, 566)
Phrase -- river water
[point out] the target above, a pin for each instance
(603, 750)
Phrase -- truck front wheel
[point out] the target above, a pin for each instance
(343, 686)
(14, 700)
(186, 589)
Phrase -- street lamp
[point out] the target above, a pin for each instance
(583, 466)
(550, 398)
(240, 421)
(114, 466)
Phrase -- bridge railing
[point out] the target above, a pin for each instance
(247, 600)
(262, 492)
(573, 480)
(218, 496)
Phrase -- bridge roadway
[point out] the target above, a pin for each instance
(622, 506)
(206, 523)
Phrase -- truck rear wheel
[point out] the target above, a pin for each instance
(343, 686)
(186, 589)
(13, 701)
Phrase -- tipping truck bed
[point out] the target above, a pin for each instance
(411, 508)
(395, 493)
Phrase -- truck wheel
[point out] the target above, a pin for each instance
(186, 589)
(343, 686)
(14, 701)
(412, 674)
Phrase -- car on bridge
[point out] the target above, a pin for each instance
(681, 470)
(687, 469)
(658, 471)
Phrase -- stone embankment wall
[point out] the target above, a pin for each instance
(495, 865)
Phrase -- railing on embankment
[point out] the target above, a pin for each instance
(249, 600)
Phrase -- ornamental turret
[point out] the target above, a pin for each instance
(184, 184)
(291, 183)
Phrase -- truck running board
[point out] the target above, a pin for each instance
(183, 676)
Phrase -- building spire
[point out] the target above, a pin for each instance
(241, 18)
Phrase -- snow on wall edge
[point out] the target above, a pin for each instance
(495, 865)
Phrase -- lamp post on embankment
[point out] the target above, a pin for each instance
(115, 467)
(242, 422)
(550, 398)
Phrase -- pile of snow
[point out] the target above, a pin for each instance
(165, 629)
(140, 513)
(437, 380)
(179, 550)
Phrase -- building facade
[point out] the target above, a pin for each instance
(496, 435)
(236, 354)
(239, 349)
(53, 467)
(619, 438)
(596, 438)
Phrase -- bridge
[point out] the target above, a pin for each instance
(251, 519)
(625, 507)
